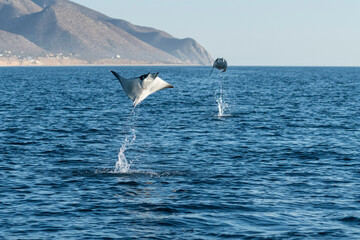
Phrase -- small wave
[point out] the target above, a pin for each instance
(109, 172)
(222, 116)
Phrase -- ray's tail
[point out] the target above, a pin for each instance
(211, 71)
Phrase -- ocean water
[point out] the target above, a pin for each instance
(252, 153)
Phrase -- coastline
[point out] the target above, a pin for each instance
(63, 62)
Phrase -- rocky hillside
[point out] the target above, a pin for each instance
(49, 28)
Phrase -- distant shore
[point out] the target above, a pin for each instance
(43, 61)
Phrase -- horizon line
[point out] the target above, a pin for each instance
(180, 65)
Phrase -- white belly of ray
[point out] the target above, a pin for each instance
(137, 89)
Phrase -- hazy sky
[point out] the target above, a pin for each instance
(253, 32)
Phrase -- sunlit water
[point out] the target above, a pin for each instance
(275, 155)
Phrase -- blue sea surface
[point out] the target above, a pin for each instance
(252, 153)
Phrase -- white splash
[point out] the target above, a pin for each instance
(220, 97)
(123, 165)
(222, 105)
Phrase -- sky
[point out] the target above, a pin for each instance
(253, 32)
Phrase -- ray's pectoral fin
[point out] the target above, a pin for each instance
(117, 76)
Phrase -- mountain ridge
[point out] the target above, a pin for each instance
(49, 28)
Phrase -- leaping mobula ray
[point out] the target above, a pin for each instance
(220, 63)
(139, 88)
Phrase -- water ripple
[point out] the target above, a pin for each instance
(280, 162)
